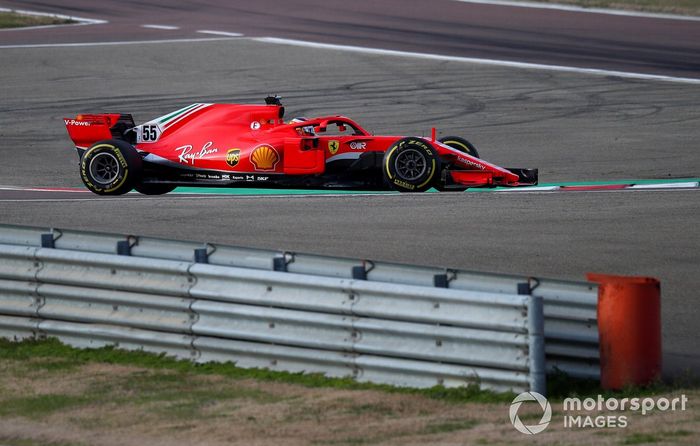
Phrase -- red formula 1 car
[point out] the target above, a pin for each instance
(235, 145)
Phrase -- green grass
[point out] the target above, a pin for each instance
(560, 386)
(441, 427)
(678, 433)
(15, 441)
(177, 388)
(63, 354)
(14, 20)
(375, 409)
(641, 439)
(37, 406)
(175, 395)
(449, 426)
(167, 379)
(688, 7)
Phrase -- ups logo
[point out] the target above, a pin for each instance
(233, 156)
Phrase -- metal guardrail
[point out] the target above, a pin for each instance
(377, 321)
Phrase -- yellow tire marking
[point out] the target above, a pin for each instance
(120, 156)
(386, 164)
(465, 148)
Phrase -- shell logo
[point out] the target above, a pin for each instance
(265, 157)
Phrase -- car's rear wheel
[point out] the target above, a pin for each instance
(110, 167)
(154, 188)
(462, 145)
(411, 165)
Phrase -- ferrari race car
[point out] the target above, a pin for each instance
(234, 145)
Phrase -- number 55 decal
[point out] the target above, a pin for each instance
(148, 133)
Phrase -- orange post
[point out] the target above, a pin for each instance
(629, 324)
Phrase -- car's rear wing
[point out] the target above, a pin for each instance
(86, 129)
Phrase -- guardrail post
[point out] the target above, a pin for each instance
(524, 288)
(279, 264)
(535, 321)
(440, 281)
(123, 248)
(201, 255)
(359, 273)
(47, 241)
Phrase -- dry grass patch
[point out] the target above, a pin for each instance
(15, 20)
(51, 394)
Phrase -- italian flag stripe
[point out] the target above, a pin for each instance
(164, 119)
(184, 115)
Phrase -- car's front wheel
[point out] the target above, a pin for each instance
(411, 165)
(110, 167)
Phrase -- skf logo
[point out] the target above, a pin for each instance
(233, 156)
(333, 146)
(265, 157)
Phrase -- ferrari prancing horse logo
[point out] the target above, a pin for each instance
(333, 146)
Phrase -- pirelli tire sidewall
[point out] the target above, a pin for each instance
(417, 147)
(128, 163)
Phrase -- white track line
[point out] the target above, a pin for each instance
(126, 42)
(163, 27)
(220, 33)
(666, 186)
(571, 8)
(493, 62)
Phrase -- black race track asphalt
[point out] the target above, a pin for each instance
(573, 126)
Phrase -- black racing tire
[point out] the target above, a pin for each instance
(111, 167)
(154, 188)
(460, 144)
(411, 165)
